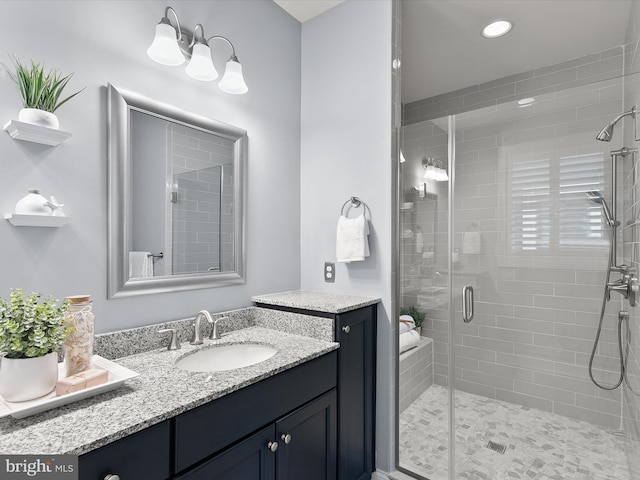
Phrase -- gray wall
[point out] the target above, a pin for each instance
(104, 42)
(346, 151)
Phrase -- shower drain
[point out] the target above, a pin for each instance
(496, 447)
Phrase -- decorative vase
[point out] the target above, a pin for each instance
(33, 204)
(24, 379)
(36, 116)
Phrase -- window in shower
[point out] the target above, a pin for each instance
(549, 209)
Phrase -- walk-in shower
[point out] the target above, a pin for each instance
(524, 221)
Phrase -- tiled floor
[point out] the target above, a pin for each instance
(540, 445)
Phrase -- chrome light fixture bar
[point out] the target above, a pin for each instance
(172, 46)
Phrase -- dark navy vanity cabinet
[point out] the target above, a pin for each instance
(355, 330)
(301, 445)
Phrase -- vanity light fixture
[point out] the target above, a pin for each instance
(497, 29)
(172, 46)
(434, 170)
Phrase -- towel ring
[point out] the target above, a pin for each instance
(355, 203)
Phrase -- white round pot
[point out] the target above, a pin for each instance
(24, 379)
(38, 117)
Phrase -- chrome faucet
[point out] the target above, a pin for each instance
(214, 333)
(197, 335)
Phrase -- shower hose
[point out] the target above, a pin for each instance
(622, 355)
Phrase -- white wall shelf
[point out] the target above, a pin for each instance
(28, 132)
(18, 220)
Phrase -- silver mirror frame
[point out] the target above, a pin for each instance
(119, 103)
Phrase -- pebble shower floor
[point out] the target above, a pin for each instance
(540, 445)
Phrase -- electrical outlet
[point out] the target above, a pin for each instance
(329, 272)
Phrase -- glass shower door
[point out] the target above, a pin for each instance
(424, 414)
(512, 232)
(533, 248)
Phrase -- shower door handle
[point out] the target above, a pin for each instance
(467, 303)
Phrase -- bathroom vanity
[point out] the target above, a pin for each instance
(283, 427)
(288, 417)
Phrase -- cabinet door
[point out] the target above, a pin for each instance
(142, 455)
(356, 386)
(251, 459)
(307, 441)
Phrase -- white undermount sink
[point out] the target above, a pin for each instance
(226, 357)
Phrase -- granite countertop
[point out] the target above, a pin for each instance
(161, 391)
(318, 301)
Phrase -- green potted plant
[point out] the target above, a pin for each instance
(413, 312)
(41, 92)
(31, 331)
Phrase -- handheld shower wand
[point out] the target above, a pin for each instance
(597, 197)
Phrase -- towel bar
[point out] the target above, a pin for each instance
(355, 203)
(156, 255)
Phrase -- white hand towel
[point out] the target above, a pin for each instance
(472, 242)
(140, 265)
(408, 340)
(406, 323)
(419, 242)
(352, 244)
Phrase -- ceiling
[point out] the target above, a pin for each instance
(443, 51)
(303, 10)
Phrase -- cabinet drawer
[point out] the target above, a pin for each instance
(209, 428)
(142, 455)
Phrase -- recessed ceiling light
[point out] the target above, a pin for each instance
(497, 29)
(526, 102)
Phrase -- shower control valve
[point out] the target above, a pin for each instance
(628, 285)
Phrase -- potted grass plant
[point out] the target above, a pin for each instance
(41, 92)
(31, 332)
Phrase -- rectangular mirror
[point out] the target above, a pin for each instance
(176, 190)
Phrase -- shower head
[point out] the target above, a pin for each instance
(597, 197)
(607, 132)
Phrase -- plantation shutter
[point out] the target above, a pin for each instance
(549, 207)
(581, 222)
(530, 204)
